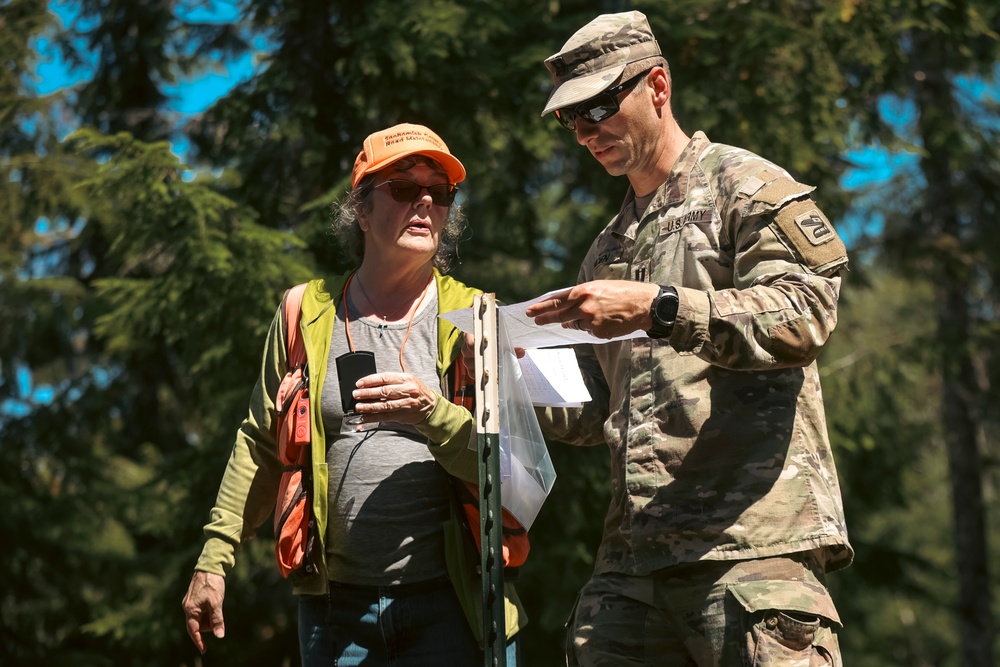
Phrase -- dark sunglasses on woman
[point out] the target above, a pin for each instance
(402, 190)
(599, 107)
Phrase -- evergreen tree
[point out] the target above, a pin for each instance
(197, 269)
(107, 448)
(43, 336)
(878, 382)
(928, 56)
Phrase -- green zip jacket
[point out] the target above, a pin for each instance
(250, 483)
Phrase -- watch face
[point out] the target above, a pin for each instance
(666, 308)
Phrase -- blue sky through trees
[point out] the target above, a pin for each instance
(190, 96)
(194, 94)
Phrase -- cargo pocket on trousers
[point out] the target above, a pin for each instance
(788, 623)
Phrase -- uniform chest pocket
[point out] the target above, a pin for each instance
(617, 270)
(693, 238)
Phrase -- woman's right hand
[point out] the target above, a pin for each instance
(398, 397)
(203, 607)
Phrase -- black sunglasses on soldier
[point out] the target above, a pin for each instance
(402, 190)
(599, 107)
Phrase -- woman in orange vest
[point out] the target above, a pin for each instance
(385, 563)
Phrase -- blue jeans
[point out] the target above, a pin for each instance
(389, 626)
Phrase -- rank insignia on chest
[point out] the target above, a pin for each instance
(612, 257)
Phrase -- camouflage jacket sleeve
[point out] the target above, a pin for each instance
(782, 305)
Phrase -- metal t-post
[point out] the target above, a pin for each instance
(488, 431)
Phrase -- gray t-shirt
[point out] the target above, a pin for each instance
(388, 498)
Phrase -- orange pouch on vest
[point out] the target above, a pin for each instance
(294, 528)
(293, 523)
(513, 536)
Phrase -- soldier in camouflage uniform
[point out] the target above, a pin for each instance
(726, 511)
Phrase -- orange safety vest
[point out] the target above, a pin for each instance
(294, 527)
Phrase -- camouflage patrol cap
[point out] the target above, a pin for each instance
(596, 55)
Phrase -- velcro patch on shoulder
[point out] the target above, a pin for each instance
(751, 186)
(812, 234)
(755, 182)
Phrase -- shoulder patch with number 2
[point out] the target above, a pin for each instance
(815, 227)
(812, 234)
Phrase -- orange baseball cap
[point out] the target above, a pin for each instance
(384, 147)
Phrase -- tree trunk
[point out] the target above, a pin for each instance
(939, 128)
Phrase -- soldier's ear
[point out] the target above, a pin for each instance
(659, 83)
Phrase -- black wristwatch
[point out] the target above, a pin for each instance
(663, 312)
